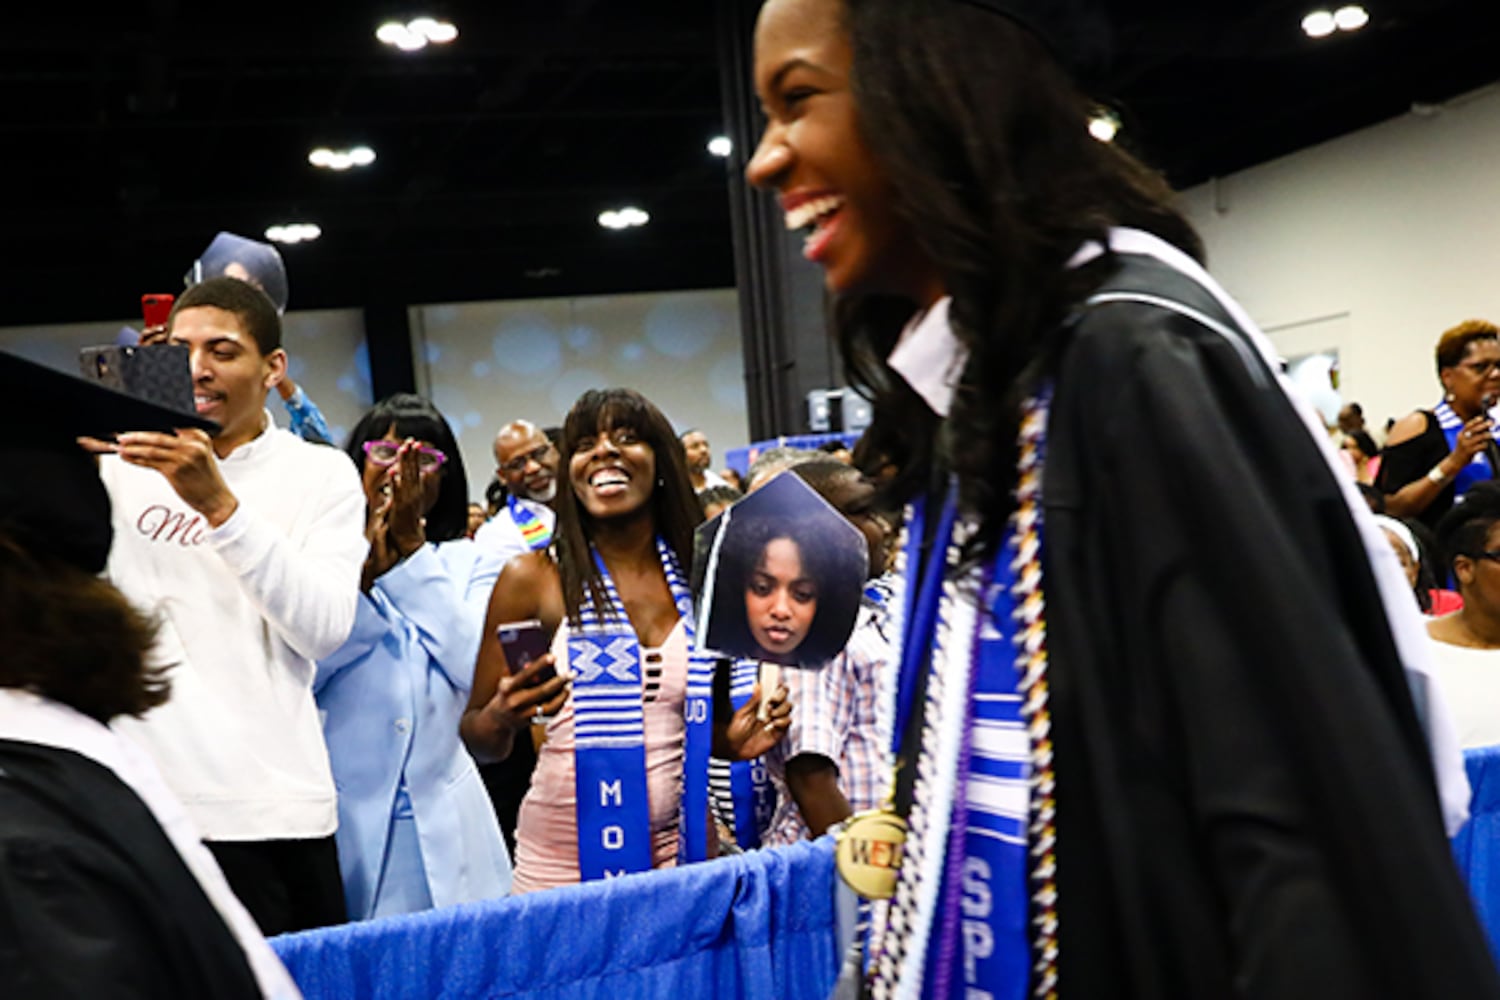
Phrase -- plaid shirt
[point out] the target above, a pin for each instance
(833, 716)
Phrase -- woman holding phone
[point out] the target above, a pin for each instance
(416, 828)
(621, 781)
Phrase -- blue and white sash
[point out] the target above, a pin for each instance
(614, 814)
(959, 924)
(754, 795)
(1478, 470)
(535, 531)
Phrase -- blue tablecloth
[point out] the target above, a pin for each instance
(760, 925)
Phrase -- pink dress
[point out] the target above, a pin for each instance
(547, 828)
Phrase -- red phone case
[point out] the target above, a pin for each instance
(156, 308)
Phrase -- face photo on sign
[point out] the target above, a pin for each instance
(779, 577)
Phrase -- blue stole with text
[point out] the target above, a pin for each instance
(1478, 470)
(614, 815)
(534, 531)
(750, 784)
(980, 941)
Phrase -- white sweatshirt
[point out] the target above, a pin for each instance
(245, 609)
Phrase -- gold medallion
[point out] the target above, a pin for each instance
(868, 853)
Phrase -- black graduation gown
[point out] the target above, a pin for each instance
(94, 899)
(1246, 802)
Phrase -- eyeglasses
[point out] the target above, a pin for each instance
(519, 463)
(383, 453)
(1481, 369)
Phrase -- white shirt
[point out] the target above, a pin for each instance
(1468, 681)
(29, 718)
(245, 609)
(500, 538)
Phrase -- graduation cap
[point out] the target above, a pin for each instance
(1075, 31)
(757, 564)
(51, 499)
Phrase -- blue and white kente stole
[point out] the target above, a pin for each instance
(614, 814)
(961, 923)
(1478, 470)
(754, 795)
(534, 530)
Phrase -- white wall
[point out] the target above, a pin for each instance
(487, 363)
(1373, 243)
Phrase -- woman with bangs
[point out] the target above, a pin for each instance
(625, 707)
(416, 828)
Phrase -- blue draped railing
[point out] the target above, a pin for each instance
(1477, 846)
(760, 925)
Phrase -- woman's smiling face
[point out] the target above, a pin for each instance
(780, 600)
(813, 154)
(612, 472)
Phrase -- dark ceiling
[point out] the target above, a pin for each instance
(131, 134)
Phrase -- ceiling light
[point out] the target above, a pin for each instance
(391, 32)
(293, 232)
(1351, 18)
(416, 33)
(341, 159)
(1319, 24)
(720, 145)
(1104, 125)
(624, 218)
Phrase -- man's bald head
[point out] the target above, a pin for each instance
(526, 462)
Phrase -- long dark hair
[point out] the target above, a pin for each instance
(412, 416)
(674, 508)
(986, 138)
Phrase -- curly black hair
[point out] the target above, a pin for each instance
(744, 547)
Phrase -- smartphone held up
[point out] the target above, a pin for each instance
(524, 642)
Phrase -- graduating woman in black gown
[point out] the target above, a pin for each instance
(1155, 733)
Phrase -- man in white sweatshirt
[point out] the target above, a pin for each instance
(248, 548)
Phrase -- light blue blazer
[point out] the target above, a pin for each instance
(391, 699)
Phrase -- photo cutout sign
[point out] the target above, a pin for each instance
(778, 577)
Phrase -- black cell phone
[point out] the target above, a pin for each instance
(157, 373)
(524, 642)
